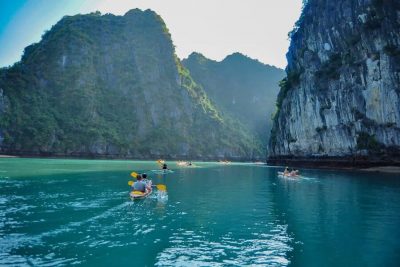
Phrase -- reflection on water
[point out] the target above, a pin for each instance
(64, 212)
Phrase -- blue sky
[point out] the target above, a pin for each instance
(216, 28)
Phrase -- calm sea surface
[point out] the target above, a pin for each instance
(66, 212)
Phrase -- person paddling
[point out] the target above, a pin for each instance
(140, 185)
(145, 180)
(294, 173)
(286, 171)
(165, 167)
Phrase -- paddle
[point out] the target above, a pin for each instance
(161, 187)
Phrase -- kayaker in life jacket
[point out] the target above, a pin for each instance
(140, 185)
(286, 171)
(165, 167)
(146, 181)
(294, 173)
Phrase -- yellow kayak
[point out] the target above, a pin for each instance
(140, 194)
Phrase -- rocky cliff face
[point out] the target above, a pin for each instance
(3, 108)
(242, 87)
(341, 96)
(111, 86)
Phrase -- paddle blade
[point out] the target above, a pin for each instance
(130, 183)
(134, 174)
(162, 187)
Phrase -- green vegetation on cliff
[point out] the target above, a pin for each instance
(242, 87)
(112, 86)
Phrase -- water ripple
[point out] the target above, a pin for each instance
(194, 249)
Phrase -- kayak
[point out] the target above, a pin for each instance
(282, 174)
(134, 194)
(162, 171)
(139, 194)
(185, 164)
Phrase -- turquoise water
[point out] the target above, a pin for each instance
(65, 212)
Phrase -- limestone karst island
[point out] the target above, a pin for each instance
(200, 133)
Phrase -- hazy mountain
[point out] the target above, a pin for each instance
(242, 87)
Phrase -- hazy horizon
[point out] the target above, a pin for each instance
(256, 28)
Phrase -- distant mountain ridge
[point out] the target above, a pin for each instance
(242, 87)
(105, 85)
